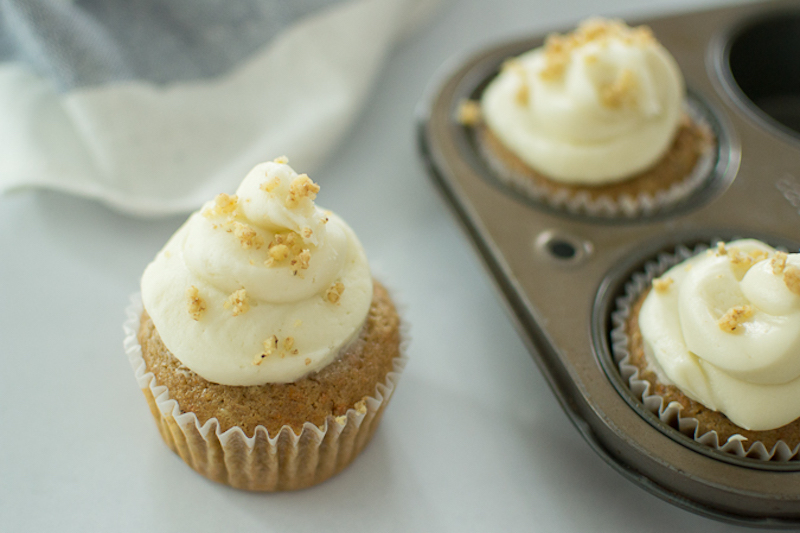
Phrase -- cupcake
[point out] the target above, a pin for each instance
(712, 346)
(595, 121)
(264, 347)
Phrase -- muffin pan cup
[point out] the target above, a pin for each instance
(560, 274)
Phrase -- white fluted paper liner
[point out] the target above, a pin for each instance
(261, 462)
(625, 206)
(670, 414)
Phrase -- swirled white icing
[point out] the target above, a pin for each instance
(592, 107)
(725, 329)
(263, 287)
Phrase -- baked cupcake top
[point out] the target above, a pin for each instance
(260, 287)
(592, 107)
(724, 327)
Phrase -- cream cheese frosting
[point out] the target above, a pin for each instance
(260, 287)
(724, 327)
(592, 107)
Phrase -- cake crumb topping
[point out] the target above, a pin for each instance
(301, 261)
(662, 284)
(730, 321)
(334, 292)
(248, 237)
(740, 260)
(237, 303)
(270, 185)
(779, 262)
(468, 112)
(223, 205)
(558, 47)
(270, 345)
(197, 305)
(523, 91)
(301, 187)
(791, 277)
(620, 93)
(721, 250)
(307, 361)
(282, 160)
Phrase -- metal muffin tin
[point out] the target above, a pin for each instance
(561, 273)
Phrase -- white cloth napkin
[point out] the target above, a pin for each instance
(155, 106)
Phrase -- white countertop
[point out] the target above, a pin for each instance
(473, 440)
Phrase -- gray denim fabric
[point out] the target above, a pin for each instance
(83, 43)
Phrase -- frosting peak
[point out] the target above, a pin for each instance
(241, 294)
(594, 106)
(726, 331)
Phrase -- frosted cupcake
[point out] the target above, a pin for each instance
(594, 121)
(713, 347)
(265, 349)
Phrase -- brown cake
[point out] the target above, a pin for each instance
(339, 386)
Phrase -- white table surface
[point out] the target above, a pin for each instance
(473, 440)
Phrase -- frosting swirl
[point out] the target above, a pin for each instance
(261, 287)
(591, 107)
(724, 327)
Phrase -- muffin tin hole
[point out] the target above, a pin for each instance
(562, 248)
(763, 59)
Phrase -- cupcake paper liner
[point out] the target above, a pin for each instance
(605, 206)
(261, 462)
(670, 413)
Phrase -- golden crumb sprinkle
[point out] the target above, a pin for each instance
(279, 252)
(791, 277)
(270, 345)
(301, 261)
(307, 361)
(288, 343)
(758, 255)
(468, 112)
(515, 67)
(662, 284)
(306, 232)
(721, 250)
(248, 237)
(558, 48)
(237, 302)
(301, 187)
(282, 160)
(779, 262)
(334, 292)
(197, 305)
(271, 184)
(730, 321)
(620, 93)
(740, 260)
(223, 205)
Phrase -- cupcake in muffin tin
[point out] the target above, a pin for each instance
(710, 342)
(264, 347)
(596, 122)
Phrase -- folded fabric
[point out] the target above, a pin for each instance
(153, 106)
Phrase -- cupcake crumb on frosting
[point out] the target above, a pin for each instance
(197, 305)
(663, 284)
(791, 277)
(731, 320)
